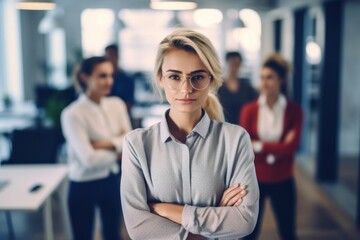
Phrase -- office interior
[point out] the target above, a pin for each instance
(40, 48)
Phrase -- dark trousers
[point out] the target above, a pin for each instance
(283, 201)
(84, 197)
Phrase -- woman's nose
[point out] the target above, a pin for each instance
(186, 86)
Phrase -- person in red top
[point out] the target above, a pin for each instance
(274, 123)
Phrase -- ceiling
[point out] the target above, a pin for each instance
(258, 5)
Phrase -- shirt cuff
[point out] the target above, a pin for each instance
(257, 146)
(189, 219)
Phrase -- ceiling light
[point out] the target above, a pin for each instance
(172, 5)
(313, 52)
(35, 5)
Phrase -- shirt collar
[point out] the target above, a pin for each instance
(87, 100)
(280, 103)
(201, 128)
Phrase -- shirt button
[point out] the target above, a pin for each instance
(270, 159)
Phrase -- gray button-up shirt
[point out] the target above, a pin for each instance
(156, 167)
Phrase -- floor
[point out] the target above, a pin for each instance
(319, 218)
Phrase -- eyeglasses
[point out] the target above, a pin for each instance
(199, 81)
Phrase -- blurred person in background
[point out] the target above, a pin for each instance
(235, 92)
(274, 123)
(191, 176)
(124, 85)
(94, 127)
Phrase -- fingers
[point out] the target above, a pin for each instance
(237, 199)
(233, 195)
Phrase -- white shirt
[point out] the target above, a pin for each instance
(271, 121)
(85, 121)
(270, 124)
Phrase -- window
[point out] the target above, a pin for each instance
(140, 37)
(245, 38)
(97, 30)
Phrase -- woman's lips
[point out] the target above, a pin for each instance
(186, 100)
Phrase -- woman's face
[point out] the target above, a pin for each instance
(186, 99)
(270, 82)
(101, 79)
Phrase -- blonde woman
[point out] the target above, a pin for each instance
(191, 175)
(94, 127)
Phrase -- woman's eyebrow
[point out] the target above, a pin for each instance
(198, 71)
(177, 71)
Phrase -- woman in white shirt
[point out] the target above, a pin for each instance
(186, 177)
(94, 127)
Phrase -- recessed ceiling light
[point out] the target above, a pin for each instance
(35, 5)
(173, 5)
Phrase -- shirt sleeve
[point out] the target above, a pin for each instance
(117, 141)
(75, 133)
(140, 222)
(229, 221)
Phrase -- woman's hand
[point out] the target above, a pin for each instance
(233, 196)
(290, 136)
(103, 144)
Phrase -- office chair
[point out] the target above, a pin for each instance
(34, 145)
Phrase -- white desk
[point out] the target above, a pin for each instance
(15, 196)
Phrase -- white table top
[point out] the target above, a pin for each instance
(9, 125)
(16, 195)
(19, 110)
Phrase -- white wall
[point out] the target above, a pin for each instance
(350, 81)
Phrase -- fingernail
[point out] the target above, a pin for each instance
(236, 185)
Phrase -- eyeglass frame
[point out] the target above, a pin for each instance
(188, 76)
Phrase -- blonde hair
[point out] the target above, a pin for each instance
(192, 41)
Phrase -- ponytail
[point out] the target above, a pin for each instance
(79, 85)
(213, 108)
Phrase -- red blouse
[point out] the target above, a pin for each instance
(283, 151)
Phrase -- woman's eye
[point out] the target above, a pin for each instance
(174, 77)
(197, 78)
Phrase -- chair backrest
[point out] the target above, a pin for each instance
(34, 145)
